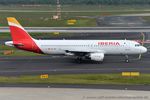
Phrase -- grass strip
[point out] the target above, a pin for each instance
(144, 79)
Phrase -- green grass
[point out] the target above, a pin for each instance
(43, 19)
(85, 22)
(4, 47)
(5, 36)
(16, 51)
(20, 53)
(24, 53)
(80, 79)
(147, 18)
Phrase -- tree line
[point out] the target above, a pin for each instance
(88, 2)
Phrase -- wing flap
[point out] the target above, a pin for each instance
(83, 51)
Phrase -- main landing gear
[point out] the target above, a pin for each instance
(79, 59)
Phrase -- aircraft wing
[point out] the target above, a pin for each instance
(83, 52)
(86, 51)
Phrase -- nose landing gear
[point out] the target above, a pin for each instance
(127, 59)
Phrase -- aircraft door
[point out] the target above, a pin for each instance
(127, 47)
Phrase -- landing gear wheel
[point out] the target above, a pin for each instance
(79, 59)
(127, 60)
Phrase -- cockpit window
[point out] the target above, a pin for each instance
(137, 45)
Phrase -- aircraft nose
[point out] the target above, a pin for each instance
(144, 50)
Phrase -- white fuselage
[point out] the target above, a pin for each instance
(102, 46)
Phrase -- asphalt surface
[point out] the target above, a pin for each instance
(65, 65)
(90, 86)
(82, 29)
(123, 21)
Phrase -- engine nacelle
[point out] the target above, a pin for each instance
(97, 56)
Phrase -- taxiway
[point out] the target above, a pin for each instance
(37, 65)
(82, 29)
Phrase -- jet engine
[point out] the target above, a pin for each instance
(97, 56)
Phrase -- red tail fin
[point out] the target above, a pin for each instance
(21, 39)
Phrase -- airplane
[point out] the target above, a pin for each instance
(94, 50)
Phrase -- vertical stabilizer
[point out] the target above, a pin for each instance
(21, 38)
